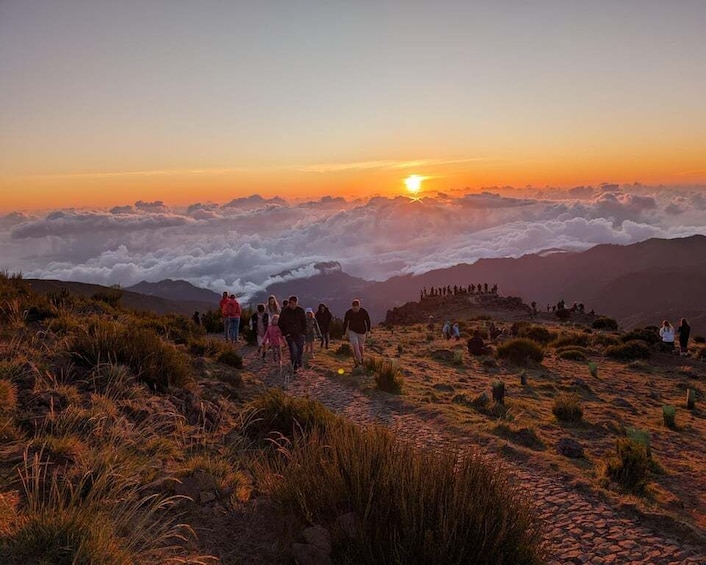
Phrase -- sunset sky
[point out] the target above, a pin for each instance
(108, 103)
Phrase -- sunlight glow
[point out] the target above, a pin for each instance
(413, 183)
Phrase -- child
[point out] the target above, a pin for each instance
(273, 339)
(312, 332)
(258, 324)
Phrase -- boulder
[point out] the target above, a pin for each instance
(318, 536)
(307, 554)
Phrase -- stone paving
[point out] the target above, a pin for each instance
(580, 529)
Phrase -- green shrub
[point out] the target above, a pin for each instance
(629, 351)
(388, 376)
(230, 357)
(519, 350)
(669, 414)
(567, 407)
(414, 506)
(649, 335)
(631, 467)
(154, 362)
(571, 354)
(212, 321)
(539, 334)
(593, 369)
(604, 323)
(498, 391)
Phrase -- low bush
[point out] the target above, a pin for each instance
(539, 334)
(649, 335)
(520, 350)
(572, 354)
(231, 358)
(604, 323)
(111, 296)
(414, 506)
(344, 350)
(458, 357)
(699, 339)
(563, 314)
(603, 340)
(669, 414)
(388, 376)
(629, 351)
(336, 328)
(571, 339)
(155, 362)
(567, 407)
(630, 468)
(275, 412)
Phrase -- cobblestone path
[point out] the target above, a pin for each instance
(580, 528)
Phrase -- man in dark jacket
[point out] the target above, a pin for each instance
(357, 323)
(292, 322)
(323, 318)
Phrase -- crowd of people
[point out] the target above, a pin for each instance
(277, 326)
(448, 290)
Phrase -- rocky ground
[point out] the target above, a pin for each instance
(585, 524)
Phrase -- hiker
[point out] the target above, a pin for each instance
(446, 330)
(223, 305)
(258, 324)
(273, 340)
(272, 308)
(196, 318)
(684, 330)
(233, 309)
(476, 346)
(312, 332)
(323, 318)
(666, 332)
(356, 323)
(456, 331)
(292, 322)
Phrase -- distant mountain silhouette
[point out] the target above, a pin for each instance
(176, 290)
(639, 284)
(130, 299)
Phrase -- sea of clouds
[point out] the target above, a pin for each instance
(248, 243)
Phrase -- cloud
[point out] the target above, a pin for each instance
(248, 243)
(383, 164)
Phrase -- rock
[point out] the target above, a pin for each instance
(348, 524)
(307, 554)
(318, 536)
(569, 448)
(207, 496)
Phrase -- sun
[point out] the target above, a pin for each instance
(413, 183)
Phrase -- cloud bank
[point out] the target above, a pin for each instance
(248, 243)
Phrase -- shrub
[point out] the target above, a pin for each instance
(212, 321)
(649, 335)
(567, 407)
(631, 466)
(111, 296)
(539, 334)
(629, 351)
(388, 376)
(154, 362)
(275, 412)
(603, 340)
(8, 396)
(604, 323)
(520, 350)
(572, 354)
(230, 357)
(336, 328)
(458, 357)
(498, 391)
(593, 369)
(699, 339)
(415, 506)
(669, 414)
(570, 340)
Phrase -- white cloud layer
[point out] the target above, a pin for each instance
(248, 243)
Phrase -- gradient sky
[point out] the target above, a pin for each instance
(104, 103)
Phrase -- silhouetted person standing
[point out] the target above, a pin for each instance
(684, 330)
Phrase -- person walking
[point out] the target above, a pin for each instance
(258, 324)
(684, 330)
(223, 305)
(292, 322)
(272, 308)
(312, 332)
(274, 340)
(356, 323)
(323, 318)
(233, 309)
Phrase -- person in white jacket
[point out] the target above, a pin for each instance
(666, 332)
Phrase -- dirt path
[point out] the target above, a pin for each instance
(580, 528)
